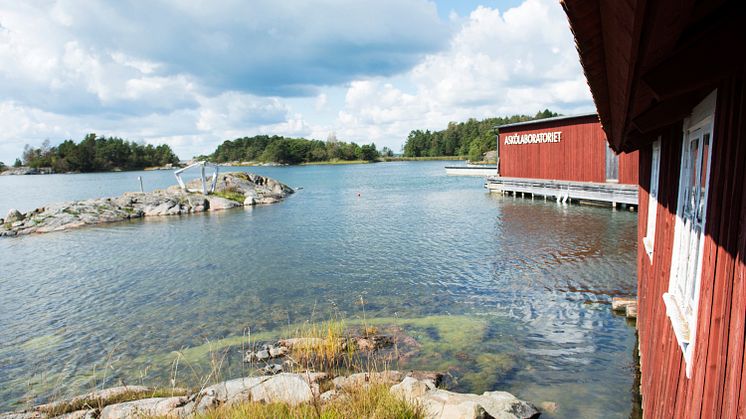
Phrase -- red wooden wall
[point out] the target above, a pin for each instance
(629, 168)
(579, 156)
(717, 388)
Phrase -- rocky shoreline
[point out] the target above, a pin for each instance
(25, 170)
(232, 190)
(289, 388)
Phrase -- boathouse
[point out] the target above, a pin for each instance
(566, 157)
(669, 79)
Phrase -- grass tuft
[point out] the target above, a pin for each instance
(232, 194)
(322, 346)
(369, 401)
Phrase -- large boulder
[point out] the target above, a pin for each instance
(283, 388)
(94, 398)
(365, 378)
(443, 404)
(79, 414)
(157, 406)
(217, 203)
(13, 216)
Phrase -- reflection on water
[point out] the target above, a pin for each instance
(506, 293)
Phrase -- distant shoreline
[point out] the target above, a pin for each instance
(25, 170)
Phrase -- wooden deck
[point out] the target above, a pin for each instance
(482, 171)
(561, 190)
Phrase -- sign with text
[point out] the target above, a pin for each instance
(535, 138)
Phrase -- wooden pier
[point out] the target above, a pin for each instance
(482, 171)
(565, 191)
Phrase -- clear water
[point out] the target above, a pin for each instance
(505, 293)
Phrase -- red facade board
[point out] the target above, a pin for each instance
(572, 149)
(717, 386)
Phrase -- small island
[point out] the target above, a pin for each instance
(232, 190)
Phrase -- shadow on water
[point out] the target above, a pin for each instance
(501, 293)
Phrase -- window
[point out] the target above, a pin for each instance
(686, 265)
(655, 163)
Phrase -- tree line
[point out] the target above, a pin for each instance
(97, 154)
(472, 138)
(278, 149)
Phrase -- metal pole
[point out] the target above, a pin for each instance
(140, 179)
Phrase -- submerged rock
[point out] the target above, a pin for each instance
(232, 190)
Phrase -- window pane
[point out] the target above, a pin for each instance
(693, 267)
(703, 176)
(690, 187)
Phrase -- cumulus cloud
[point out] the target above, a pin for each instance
(518, 61)
(262, 47)
(193, 74)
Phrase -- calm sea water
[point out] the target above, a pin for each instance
(503, 293)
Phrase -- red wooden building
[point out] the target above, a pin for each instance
(571, 148)
(669, 79)
(566, 158)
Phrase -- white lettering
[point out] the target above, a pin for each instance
(535, 138)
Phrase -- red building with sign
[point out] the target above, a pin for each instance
(669, 80)
(565, 157)
(571, 148)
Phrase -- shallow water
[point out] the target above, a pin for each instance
(504, 293)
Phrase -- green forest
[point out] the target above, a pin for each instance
(97, 154)
(472, 138)
(285, 150)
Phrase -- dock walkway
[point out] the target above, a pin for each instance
(563, 191)
(482, 171)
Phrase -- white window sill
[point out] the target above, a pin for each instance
(681, 329)
(679, 323)
(647, 242)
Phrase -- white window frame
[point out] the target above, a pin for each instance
(655, 163)
(682, 298)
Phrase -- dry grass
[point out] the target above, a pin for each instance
(324, 346)
(373, 401)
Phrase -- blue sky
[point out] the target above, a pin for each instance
(193, 73)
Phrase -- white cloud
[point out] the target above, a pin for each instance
(193, 74)
(519, 61)
(321, 101)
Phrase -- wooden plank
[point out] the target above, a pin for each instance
(727, 186)
(681, 403)
(733, 126)
(629, 168)
(662, 368)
